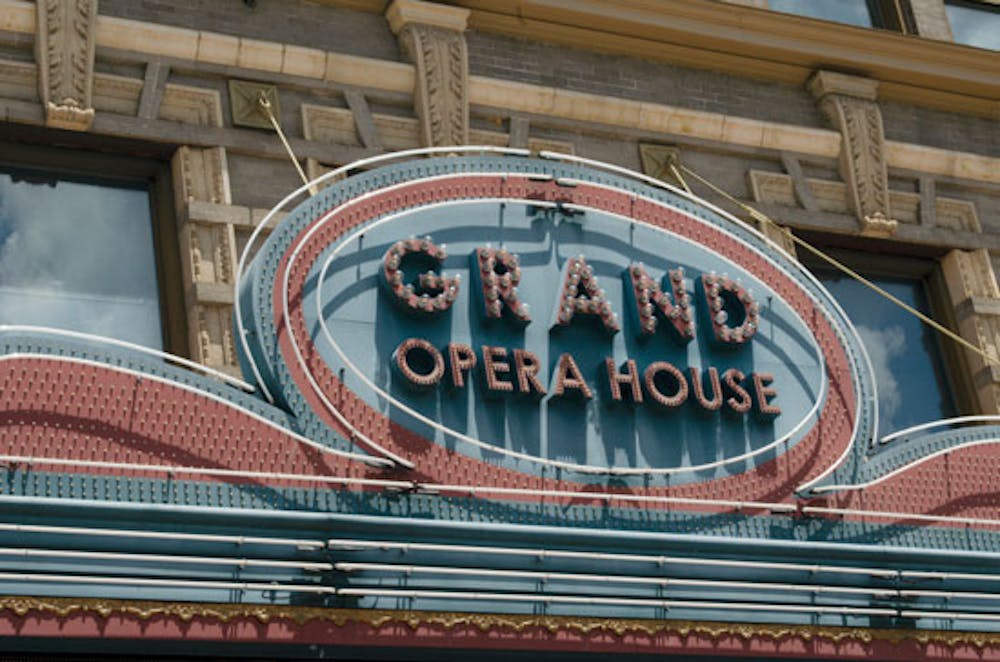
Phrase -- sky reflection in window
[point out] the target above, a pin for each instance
(975, 25)
(78, 256)
(904, 352)
(852, 12)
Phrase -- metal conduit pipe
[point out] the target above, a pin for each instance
(884, 573)
(163, 535)
(595, 537)
(165, 583)
(602, 556)
(620, 538)
(619, 579)
(29, 552)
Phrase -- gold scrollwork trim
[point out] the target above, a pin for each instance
(378, 618)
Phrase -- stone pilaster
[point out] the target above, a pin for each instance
(208, 253)
(432, 37)
(64, 51)
(975, 295)
(849, 103)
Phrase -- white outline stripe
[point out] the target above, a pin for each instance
(472, 490)
(638, 176)
(306, 188)
(187, 363)
(170, 469)
(344, 240)
(367, 459)
(804, 487)
(905, 467)
(162, 535)
(960, 420)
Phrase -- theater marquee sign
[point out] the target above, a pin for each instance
(546, 319)
(493, 402)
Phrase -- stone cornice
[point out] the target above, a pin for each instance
(754, 42)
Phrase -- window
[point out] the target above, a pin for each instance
(78, 256)
(974, 23)
(885, 14)
(906, 355)
(80, 251)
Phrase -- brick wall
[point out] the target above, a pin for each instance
(289, 21)
(940, 129)
(634, 78)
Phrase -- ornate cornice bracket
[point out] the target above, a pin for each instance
(64, 50)
(849, 102)
(432, 37)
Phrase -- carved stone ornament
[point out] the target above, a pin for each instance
(975, 295)
(201, 175)
(431, 37)
(65, 54)
(849, 103)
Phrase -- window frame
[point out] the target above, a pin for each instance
(151, 173)
(926, 269)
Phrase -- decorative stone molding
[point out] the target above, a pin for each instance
(191, 105)
(973, 290)
(655, 160)
(777, 188)
(208, 246)
(64, 49)
(849, 103)
(431, 37)
(116, 94)
(337, 126)
(201, 174)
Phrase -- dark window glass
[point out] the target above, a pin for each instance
(904, 352)
(853, 12)
(78, 256)
(975, 24)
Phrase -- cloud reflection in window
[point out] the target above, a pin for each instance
(905, 355)
(78, 256)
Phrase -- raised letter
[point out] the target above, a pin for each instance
(738, 399)
(526, 366)
(669, 401)
(498, 274)
(462, 359)
(699, 394)
(727, 298)
(648, 298)
(428, 360)
(580, 294)
(433, 293)
(630, 378)
(491, 366)
(761, 392)
(568, 377)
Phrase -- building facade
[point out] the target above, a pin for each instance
(148, 501)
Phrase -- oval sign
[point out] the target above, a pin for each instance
(545, 318)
